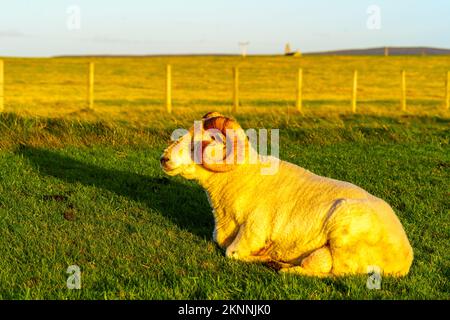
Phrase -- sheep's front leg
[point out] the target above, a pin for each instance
(249, 245)
(225, 233)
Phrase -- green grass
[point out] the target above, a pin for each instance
(92, 194)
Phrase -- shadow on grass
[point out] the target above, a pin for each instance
(183, 204)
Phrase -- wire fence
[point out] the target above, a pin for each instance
(109, 83)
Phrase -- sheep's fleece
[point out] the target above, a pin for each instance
(293, 220)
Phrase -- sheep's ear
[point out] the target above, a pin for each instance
(212, 114)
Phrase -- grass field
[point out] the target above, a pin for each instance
(84, 187)
(53, 87)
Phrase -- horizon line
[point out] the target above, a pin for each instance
(350, 52)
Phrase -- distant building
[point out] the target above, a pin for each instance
(289, 52)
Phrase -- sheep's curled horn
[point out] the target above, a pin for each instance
(235, 148)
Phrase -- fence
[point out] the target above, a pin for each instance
(235, 103)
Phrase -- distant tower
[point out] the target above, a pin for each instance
(243, 46)
(287, 49)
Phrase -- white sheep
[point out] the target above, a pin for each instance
(294, 220)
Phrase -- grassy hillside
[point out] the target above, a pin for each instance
(91, 193)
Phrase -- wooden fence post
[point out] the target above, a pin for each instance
(2, 80)
(386, 51)
(299, 103)
(235, 89)
(91, 86)
(447, 91)
(169, 88)
(403, 90)
(355, 90)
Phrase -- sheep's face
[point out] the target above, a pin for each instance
(179, 158)
(215, 144)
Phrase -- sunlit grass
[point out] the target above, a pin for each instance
(84, 187)
(123, 86)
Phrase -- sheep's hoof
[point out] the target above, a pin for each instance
(304, 272)
(232, 254)
(294, 270)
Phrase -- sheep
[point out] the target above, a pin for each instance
(294, 220)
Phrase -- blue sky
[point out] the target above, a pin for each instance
(40, 28)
